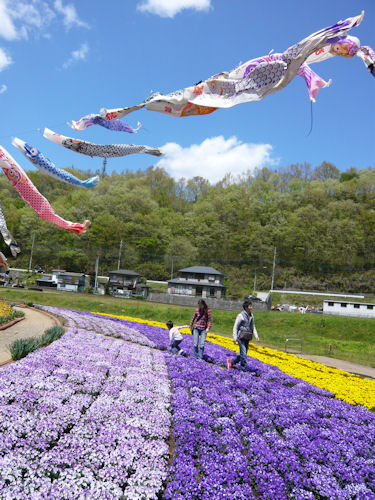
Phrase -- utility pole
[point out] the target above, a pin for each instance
(31, 253)
(255, 279)
(273, 270)
(119, 256)
(96, 274)
(172, 269)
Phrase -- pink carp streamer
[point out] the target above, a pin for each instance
(31, 195)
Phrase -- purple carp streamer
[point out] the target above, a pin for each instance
(31, 195)
(8, 238)
(46, 166)
(261, 77)
(104, 151)
(92, 119)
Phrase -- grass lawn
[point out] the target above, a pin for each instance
(352, 339)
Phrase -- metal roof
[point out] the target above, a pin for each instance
(127, 272)
(200, 269)
(67, 273)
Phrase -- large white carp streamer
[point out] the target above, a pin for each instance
(46, 166)
(8, 238)
(104, 151)
(261, 77)
(31, 195)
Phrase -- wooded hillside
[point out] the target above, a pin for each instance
(321, 222)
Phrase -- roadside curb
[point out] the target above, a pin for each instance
(11, 323)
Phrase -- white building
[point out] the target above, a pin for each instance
(200, 281)
(341, 308)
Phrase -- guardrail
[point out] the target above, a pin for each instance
(299, 341)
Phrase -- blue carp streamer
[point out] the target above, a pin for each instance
(46, 166)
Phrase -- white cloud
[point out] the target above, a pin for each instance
(169, 8)
(19, 17)
(3, 89)
(70, 16)
(214, 158)
(77, 55)
(5, 59)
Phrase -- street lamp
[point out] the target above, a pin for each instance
(255, 277)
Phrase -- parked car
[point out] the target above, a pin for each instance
(253, 298)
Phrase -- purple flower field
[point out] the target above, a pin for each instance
(118, 416)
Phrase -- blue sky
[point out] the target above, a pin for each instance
(63, 59)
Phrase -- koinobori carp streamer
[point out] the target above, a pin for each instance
(102, 150)
(46, 166)
(260, 77)
(20, 181)
(8, 238)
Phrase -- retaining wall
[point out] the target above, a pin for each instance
(224, 304)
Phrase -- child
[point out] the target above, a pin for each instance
(175, 338)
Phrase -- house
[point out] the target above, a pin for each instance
(126, 283)
(67, 281)
(200, 281)
(341, 308)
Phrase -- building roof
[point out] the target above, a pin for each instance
(66, 273)
(177, 281)
(126, 272)
(351, 303)
(200, 269)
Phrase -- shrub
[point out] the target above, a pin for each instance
(13, 315)
(22, 347)
(50, 335)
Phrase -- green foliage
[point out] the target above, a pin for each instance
(15, 314)
(320, 221)
(22, 347)
(50, 335)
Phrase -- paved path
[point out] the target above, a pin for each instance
(347, 366)
(34, 325)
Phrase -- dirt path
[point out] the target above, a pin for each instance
(34, 325)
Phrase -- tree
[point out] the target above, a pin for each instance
(325, 171)
(349, 175)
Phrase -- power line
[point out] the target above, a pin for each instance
(114, 255)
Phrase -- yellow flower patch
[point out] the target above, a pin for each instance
(351, 388)
(5, 309)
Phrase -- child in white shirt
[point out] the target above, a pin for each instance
(175, 338)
